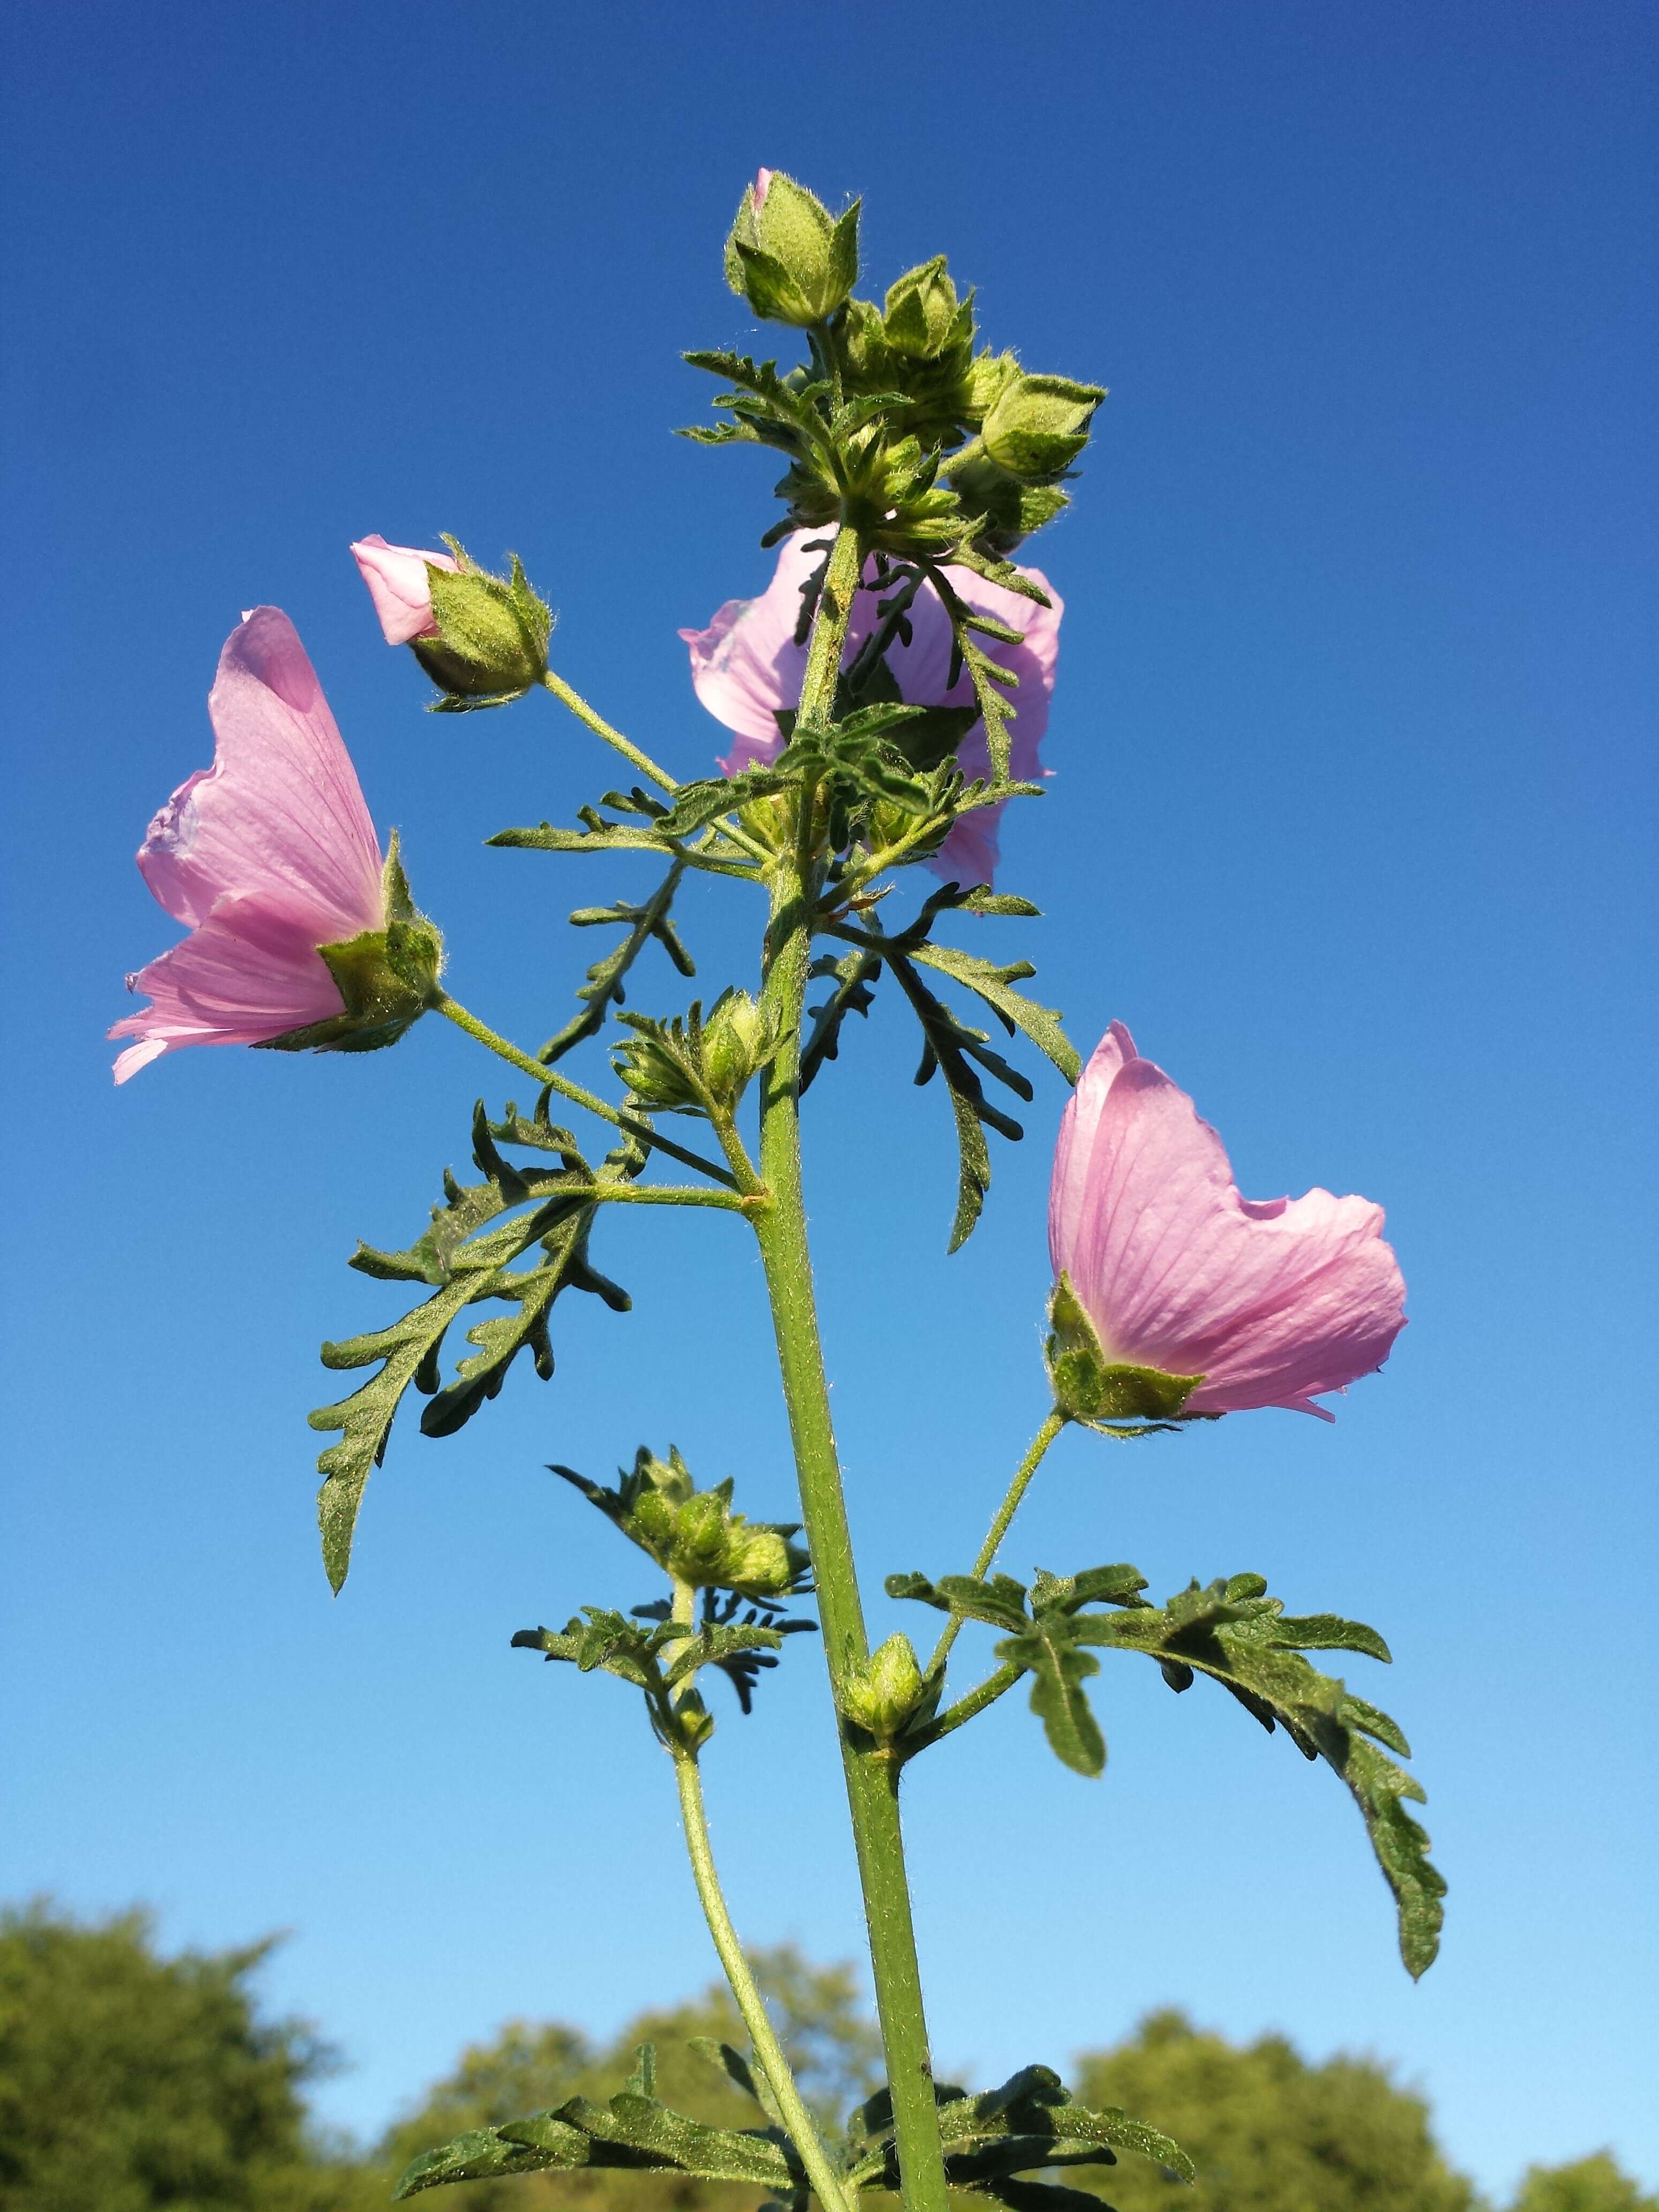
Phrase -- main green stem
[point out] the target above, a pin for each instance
(780, 1228)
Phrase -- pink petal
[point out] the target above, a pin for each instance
(280, 811)
(762, 179)
(1273, 1302)
(400, 586)
(250, 972)
(746, 665)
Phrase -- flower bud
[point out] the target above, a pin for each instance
(989, 376)
(787, 255)
(1038, 425)
(886, 1691)
(736, 1040)
(491, 633)
(400, 583)
(693, 1722)
(923, 314)
(662, 1063)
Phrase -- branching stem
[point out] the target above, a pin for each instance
(441, 1002)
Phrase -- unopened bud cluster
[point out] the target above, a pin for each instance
(690, 1065)
(961, 448)
(694, 1535)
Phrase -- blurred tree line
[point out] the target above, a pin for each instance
(132, 2082)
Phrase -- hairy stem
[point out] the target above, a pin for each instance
(999, 1529)
(781, 1228)
(966, 1708)
(636, 757)
(596, 722)
(668, 1193)
(452, 1009)
(769, 2051)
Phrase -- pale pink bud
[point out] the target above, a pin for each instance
(266, 855)
(1272, 1300)
(763, 182)
(399, 586)
(746, 665)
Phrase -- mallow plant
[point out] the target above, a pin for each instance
(886, 699)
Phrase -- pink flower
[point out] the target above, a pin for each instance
(746, 665)
(266, 855)
(762, 178)
(1271, 1300)
(399, 586)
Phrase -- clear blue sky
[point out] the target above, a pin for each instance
(1351, 821)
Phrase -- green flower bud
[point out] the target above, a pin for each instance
(491, 645)
(923, 314)
(736, 1039)
(386, 976)
(693, 1722)
(989, 376)
(1038, 425)
(886, 1691)
(787, 255)
(1012, 508)
(662, 1063)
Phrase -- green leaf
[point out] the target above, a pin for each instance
(991, 983)
(1026, 2125)
(950, 1046)
(1057, 1671)
(467, 1262)
(697, 805)
(632, 2132)
(605, 987)
(1234, 1633)
(855, 980)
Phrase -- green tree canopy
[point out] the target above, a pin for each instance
(128, 2082)
(1596, 2184)
(1269, 2132)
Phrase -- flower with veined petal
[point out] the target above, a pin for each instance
(301, 933)
(1246, 1302)
(746, 668)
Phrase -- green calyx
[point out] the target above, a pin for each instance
(693, 1534)
(1091, 1388)
(385, 977)
(1037, 426)
(789, 256)
(491, 645)
(692, 1065)
(887, 1690)
(923, 317)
